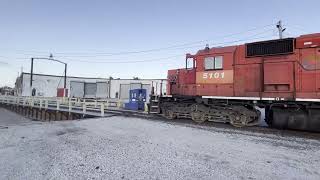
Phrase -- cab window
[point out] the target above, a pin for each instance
(212, 63)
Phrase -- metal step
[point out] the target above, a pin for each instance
(153, 112)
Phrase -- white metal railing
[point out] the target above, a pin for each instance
(64, 103)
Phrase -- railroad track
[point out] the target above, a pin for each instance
(227, 128)
(103, 109)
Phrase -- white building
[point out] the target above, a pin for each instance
(82, 87)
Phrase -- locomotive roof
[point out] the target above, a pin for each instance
(314, 35)
(217, 50)
(233, 48)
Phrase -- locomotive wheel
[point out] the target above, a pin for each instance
(198, 117)
(237, 121)
(169, 114)
(244, 117)
(242, 121)
(197, 114)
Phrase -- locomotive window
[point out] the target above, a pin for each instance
(211, 63)
(218, 62)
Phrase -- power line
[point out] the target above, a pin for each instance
(10, 58)
(144, 51)
(125, 62)
(252, 37)
(4, 63)
(174, 46)
(298, 29)
(157, 59)
(177, 48)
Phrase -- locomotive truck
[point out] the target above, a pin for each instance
(227, 84)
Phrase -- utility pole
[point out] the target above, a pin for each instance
(31, 73)
(280, 29)
(65, 76)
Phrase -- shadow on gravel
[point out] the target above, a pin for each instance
(74, 130)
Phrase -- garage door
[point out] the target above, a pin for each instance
(90, 90)
(124, 91)
(76, 89)
(102, 90)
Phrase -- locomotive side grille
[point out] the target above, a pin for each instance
(268, 48)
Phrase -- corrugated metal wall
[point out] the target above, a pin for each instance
(76, 89)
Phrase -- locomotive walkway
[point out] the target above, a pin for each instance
(60, 108)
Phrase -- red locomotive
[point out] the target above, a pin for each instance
(225, 84)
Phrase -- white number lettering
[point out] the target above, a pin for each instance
(216, 75)
(222, 75)
(205, 75)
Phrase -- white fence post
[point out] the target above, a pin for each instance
(46, 104)
(40, 105)
(84, 110)
(58, 104)
(70, 106)
(102, 109)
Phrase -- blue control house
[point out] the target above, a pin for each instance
(137, 99)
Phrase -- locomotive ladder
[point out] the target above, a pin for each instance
(154, 106)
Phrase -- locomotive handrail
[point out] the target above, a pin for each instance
(306, 69)
(301, 65)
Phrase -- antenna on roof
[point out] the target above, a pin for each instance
(207, 47)
(280, 29)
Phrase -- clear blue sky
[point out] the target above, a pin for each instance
(105, 31)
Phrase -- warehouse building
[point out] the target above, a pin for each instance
(83, 87)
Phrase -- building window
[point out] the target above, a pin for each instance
(213, 63)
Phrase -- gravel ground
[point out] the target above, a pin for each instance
(8, 118)
(132, 148)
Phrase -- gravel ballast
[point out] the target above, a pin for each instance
(133, 148)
